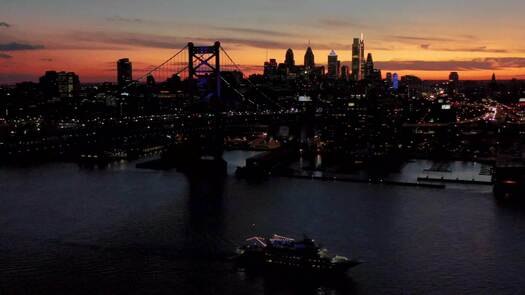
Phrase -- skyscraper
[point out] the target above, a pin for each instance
(369, 68)
(376, 75)
(358, 59)
(124, 72)
(68, 84)
(362, 57)
(454, 77)
(344, 73)
(270, 68)
(333, 66)
(453, 83)
(493, 84)
(395, 81)
(309, 60)
(289, 60)
(60, 84)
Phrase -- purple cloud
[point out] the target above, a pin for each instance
(13, 46)
(464, 49)
(172, 42)
(493, 63)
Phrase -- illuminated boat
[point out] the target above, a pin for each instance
(286, 253)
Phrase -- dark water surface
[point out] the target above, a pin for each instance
(66, 230)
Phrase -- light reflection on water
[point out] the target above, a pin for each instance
(126, 230)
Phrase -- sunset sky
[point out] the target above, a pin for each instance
(424, 37)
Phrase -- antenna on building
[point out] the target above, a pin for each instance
(362, 36)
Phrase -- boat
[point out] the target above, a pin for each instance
(279, 252)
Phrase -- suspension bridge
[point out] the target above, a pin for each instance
(211, 76)
(208, 70)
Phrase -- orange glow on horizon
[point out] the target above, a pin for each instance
(100, 65)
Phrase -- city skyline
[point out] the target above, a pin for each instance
(88, 38)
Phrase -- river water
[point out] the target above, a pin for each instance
(122, 230)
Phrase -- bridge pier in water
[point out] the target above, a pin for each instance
(202, 153)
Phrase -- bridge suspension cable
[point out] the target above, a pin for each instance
(238, 68)
(175, 65)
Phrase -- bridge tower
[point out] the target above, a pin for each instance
(204, 66)
(202, 154)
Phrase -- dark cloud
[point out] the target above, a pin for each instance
(46, 59)
(467, 36)
(267, 44)
(380, 48)
(119, 19)
(420, 39)
(5, 25)
(17, 77)
(270, 44)
(493, 63)
(170, 42)
(129, 39)
(258, 32)
(257, 43)
(5, 56)
(249, 69)
(465, 49)
(339, 23)
(87, 45)
(19, 46)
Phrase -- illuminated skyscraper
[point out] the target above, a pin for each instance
(395, 81)
(289, 60)
(124, 72)
(309, 60)
(358, 59)
(68, 84)
(60, 84)
(333, 66)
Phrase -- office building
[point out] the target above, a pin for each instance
(358, 59)
(289, 60)
(124, 72)
(309, 59)
(345, 75)
(60, 84)
(270, 68)
(334, 66)
(369, 67)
